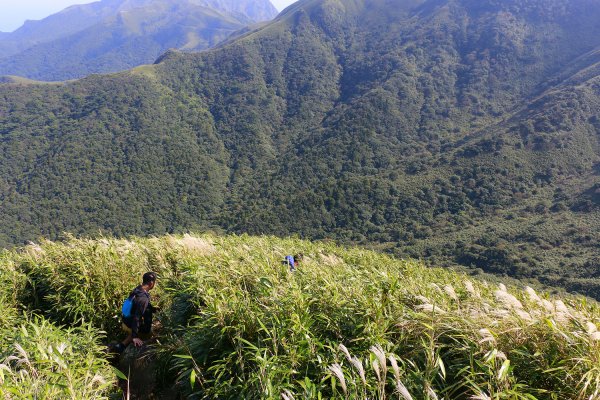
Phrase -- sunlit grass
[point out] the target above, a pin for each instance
(349, 323)
(41, 361)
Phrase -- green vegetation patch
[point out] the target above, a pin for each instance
(39, 360)
(349, 323)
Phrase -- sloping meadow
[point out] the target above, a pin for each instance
(236, 323)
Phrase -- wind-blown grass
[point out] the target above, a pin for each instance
(257, 330)
(41, 361)
(349, 323)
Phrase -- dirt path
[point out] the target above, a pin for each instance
(140, 367)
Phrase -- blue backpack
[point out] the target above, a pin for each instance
(127, 306)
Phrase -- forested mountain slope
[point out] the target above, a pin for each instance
(460, 131)
(114, 35)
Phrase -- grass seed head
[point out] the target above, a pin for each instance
(524, 315)
(331, 259)
(436, 287)
(395, 368)
(486, 336)
(344, 350)
(548, 305)
(533, 296)
(404, 393)
(449, 289)
(98, 379)
(561, 307)
(336, 370)
(197, 245)
(471, 288)
(358, 365)
(507, 299)
(34, 250)
(380, 355)
(376, 368)
(429, 308)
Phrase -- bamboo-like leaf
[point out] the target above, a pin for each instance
(504, 370)
(192, 379)
(119, 374)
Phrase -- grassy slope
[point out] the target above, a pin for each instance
(349, 322)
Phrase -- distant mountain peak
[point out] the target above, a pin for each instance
(113, 35)
(254, 10)
(258, 10)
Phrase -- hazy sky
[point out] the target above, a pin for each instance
(279, 4)
(14, 12)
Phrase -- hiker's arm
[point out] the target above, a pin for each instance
(140, 309)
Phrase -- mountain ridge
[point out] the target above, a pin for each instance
(114, 35)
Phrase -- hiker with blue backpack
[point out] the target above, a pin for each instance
(293, 261)
(137, 314)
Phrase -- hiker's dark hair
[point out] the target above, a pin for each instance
(148, 277)
(299, 256)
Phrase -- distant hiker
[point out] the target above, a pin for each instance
(293, 261)
(137, 314)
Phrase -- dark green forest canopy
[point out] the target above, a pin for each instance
(460, 131)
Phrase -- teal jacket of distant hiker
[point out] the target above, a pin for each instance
(140, 318)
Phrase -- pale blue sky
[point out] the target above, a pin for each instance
(279, 4)
(14, 12)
